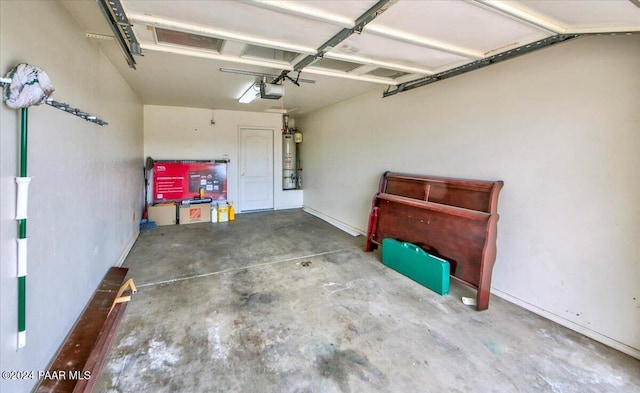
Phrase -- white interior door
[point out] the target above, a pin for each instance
(256, 169)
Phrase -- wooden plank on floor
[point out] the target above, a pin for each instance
(91, 335)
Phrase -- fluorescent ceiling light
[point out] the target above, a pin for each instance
(249, 95)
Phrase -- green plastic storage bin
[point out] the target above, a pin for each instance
(415, 263)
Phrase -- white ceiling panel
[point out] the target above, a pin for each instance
(387, 50)
(351, 9)
(236, 17)
(588, 15)
(339, 12)
(457, 23)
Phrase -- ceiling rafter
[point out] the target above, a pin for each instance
(502, 8)
(301, 10)
(215, 56)
(222, 34)
(381, 31)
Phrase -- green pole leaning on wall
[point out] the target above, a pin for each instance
(22, 237)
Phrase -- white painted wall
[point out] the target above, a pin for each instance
(560, 127)
(86, 193)
(187, 133)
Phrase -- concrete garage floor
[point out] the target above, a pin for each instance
(283, 302)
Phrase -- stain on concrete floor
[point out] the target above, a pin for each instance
(341, 365)
(230, 308)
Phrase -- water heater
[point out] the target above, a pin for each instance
(289, 170)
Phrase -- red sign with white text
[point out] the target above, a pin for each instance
(179, 180)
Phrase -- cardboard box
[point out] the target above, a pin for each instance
(163, 213)
(193, 214)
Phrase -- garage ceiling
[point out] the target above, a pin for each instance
(186, 43)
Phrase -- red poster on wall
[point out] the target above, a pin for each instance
(174, 181)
